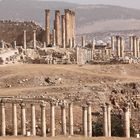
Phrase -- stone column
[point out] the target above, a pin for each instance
(109, 119)
(73, 28)
(34, 39)
(54, 35)
(121, 47)
(71, 119)
(67, 26)
(118, 46)
(14, 119)
(85, 121)
(3, 121)
(24, 40)
(134, 47)
(15, 45)
(63, 115)
(57, 28)
(138, 47)
(83, 41)
(23, 119)
(127, 122)
(89, 120)
(131, 42)
(47, 26)
(63, 31)
(44, 45)
(52, 119)
(105, 130)
(43, 119)
(113, 43)
(33, 120)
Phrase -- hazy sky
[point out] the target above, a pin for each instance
(126, 3)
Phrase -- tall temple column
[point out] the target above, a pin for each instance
(34, 39)
(3, 121)
(93, 49)
(43, 119)
(127, 122)
(63, 115)
(15, 45)
(23, 119)
(138, 47)
(135, 46)
(71, 119)
(89, 120)
(113, 43)
(105, 130)
(67, 26)
(118, 46)
(122, 47)
(73, 28)
(85, 121)
(131, 42)
(24, 40)
(52, 118)
(33, 120)
(63, 32)
(57, 28)
(109, 119)
(47, 26)
(14, 119)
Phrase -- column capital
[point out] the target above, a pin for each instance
(23, 105)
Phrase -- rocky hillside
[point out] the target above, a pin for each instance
(93, 18)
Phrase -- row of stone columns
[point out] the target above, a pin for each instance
(134, 44)
(107, 121)
(64, 26)
(87, 120)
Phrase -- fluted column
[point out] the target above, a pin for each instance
(138, 47)
(33, 120)
(127, 122)
(3, 121)
(89, 120)
(57, 28)
(23, 119)
(71, 118)
(34, 39)
(63, 32)
(113, 43)
(85, 121)
(122, 43)
(24, 40)
(14, 119)
(47, 26)
(135, 46)
(52, 119)
(63, 115)
(109, 119)
(54, 39)
(83, 41)
(73, 28)
(118, 46)
(131, 42)
(43, 119)
(105, 130)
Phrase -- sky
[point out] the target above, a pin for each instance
(125, 3)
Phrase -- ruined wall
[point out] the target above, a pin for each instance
(10, 31)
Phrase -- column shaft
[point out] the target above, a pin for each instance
(105, 121)
(85, 121)
(89, 120)
(109, 119)
(43, 120)
(63, 32)
(52, 119)
(127, 122)
(24, 40)
(33, 119)
(34, 39)
(47, 26)
(14, 118)
(23, 119)
(63, 115)
(3, 121)
(71, 119)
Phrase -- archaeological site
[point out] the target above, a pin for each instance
(56, 83)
